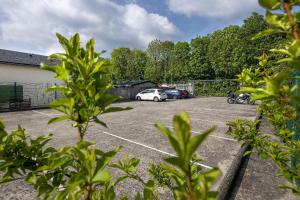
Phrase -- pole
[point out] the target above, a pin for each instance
(15, 91)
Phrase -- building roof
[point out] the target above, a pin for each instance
(20, 58)
(133, 83)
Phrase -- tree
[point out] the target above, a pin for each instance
(159, 60)
(120, 58)
(254, 48)
(199, 65)
(180, 62)
(137, 64)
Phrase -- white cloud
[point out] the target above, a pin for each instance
(31, 25)
(213, 8)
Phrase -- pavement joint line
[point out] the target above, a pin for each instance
(152, 148)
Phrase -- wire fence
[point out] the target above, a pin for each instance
(22, 96)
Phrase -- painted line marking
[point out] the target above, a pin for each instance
(41, 113)
(212, 135)
(233, 111)
(148, 147)
(210, 113)
(45, 114)
(220, 137)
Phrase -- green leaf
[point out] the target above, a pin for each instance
(266, 33)
(176, 161)
(211, 176)
(278, 20)
(6, 180)
(116, 109)
(247, 153)
(102, 176)
(138, 196)
(170, 135)
(196, 141)
(148, 190)
(270, 4)
(58, 119)
(96, 120)
(31, 178)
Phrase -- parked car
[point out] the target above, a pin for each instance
(185, 93)
(174, 94)
(151, 94)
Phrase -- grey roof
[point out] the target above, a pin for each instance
(20, 58)
(133, 83)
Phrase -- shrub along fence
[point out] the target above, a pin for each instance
(208, 87)
(215, 87)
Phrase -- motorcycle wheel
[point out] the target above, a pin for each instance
(250, 102)
(230, 100)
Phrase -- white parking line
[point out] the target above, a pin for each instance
(220, 137)
(41, 113)
(45, 114)
(230, 111)
(212, 135)
(193, 112)
(148, 147)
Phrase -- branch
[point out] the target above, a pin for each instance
(288, 10)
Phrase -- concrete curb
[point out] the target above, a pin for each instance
(228, 182)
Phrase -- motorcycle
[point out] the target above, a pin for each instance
(243, 98)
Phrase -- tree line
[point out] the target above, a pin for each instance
(219, 55)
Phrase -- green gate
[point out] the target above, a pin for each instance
(11, 93)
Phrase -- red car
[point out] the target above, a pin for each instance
(185, 94)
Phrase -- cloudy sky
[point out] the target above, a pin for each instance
(30, 25)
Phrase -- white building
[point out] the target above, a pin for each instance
(21, 78)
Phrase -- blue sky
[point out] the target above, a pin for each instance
(30, 25)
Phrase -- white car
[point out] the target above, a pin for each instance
(151, 94)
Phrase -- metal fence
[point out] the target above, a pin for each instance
(22, 96)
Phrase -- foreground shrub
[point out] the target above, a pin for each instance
(278, 94)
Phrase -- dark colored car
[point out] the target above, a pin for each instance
(173, 94)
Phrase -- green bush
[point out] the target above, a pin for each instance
(215, 88)
(278, 95)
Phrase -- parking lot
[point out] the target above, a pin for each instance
(134, 130)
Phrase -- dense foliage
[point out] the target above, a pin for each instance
(220, 55)
(83, 171)
(277, 91)
(215, 88)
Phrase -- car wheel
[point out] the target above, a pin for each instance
(164, 99)
(138, 98)
(155, 99)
